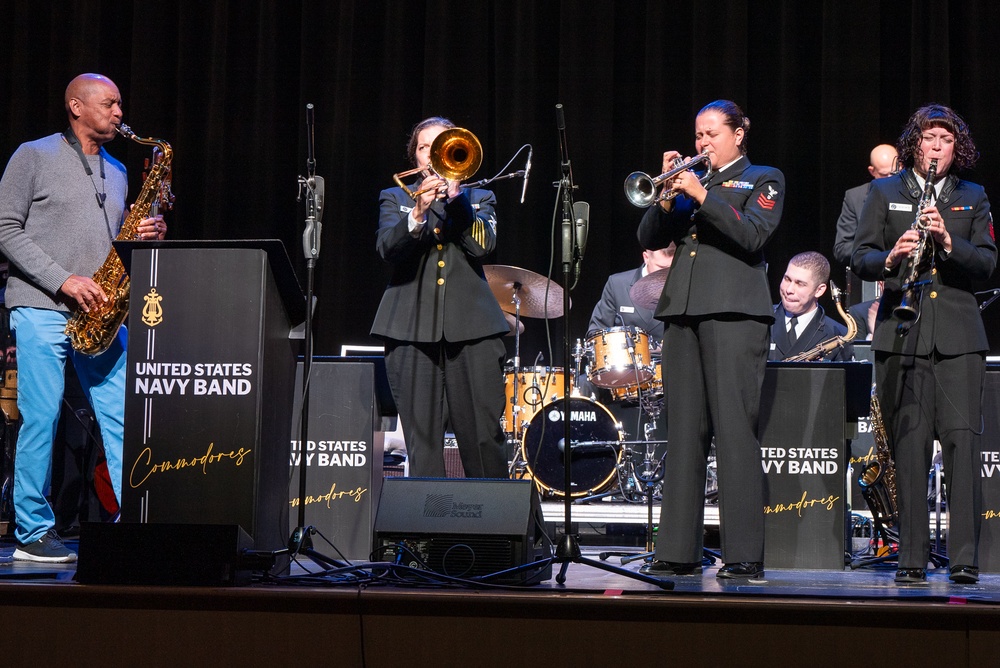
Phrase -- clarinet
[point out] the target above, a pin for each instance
(909, 308)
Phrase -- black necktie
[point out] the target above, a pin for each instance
(792, 322)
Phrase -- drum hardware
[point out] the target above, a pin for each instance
(618, 356)
(534, 295)
(595, 464)
(527, 389)
(650, 479)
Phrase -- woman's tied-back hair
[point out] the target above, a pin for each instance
(734, 118)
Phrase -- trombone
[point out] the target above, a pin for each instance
(456, 154)
(640, 188)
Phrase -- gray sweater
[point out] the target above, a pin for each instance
(51, 225)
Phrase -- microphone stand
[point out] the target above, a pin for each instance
(568, 544)
(300, 541)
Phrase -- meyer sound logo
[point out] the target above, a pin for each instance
(438, 505)
(152, 312)
(444, 505)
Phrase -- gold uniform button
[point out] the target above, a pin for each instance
(440, 263)
(440, 246)
(694, 237)
(440, 281)
(437, 230)
(933, 271)
(933, 294)
(693, 253)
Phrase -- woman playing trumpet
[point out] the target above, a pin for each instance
(930, 360)
(440, 322)
(717, 308)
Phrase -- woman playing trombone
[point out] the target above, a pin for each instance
(717, 308)
(440, 322)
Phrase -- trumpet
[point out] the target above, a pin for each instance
(456, 154)
(640, 188)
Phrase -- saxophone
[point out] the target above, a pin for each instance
(92, 333)
(909, 308)
(822, 349)
(878, 478)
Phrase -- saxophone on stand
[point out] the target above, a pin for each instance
(93, 332)
(878, 480)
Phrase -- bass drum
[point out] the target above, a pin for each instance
(596, 451)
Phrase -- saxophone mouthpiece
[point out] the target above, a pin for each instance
(124, 131)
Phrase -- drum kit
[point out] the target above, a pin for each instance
(617, 359)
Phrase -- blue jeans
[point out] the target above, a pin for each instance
(42, 351)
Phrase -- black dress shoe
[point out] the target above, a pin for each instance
(964, 574)
(911, 576)
(742, 569)
(658, 568)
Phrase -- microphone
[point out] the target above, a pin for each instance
(527, 173)
(582, 446)
(310, 139)
(581, 212)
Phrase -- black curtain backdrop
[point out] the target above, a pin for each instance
(226, 83)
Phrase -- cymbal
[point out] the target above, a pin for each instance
(512, 323)
(647, 290)
(506, 282)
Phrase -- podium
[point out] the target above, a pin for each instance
(807, 415)
(348, 398)
(989, 537)
(210, 385)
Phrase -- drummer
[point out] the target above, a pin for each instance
(616, 309)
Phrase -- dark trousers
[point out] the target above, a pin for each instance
(469, 377)
(712, 372)
(923, 398)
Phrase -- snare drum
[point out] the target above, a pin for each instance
(651, 391)
(611, 363)
(595, 436)
(535, 387)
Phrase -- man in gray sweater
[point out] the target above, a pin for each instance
(62, 202)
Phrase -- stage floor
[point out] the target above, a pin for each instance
(788, 617)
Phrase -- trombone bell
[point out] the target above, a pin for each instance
(456, 155)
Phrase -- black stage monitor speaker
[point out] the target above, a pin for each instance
(163, 554)
(463, 528)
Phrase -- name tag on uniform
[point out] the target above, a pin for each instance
(900, 206)
(626, 309)
(405, 209)
(773, 346)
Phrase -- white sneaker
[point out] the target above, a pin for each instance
(48, 549)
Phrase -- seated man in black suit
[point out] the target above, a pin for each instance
(800, 323)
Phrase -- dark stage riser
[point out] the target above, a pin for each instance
(210, 390)
(804, 450)
(989, 539)
(344, 454)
